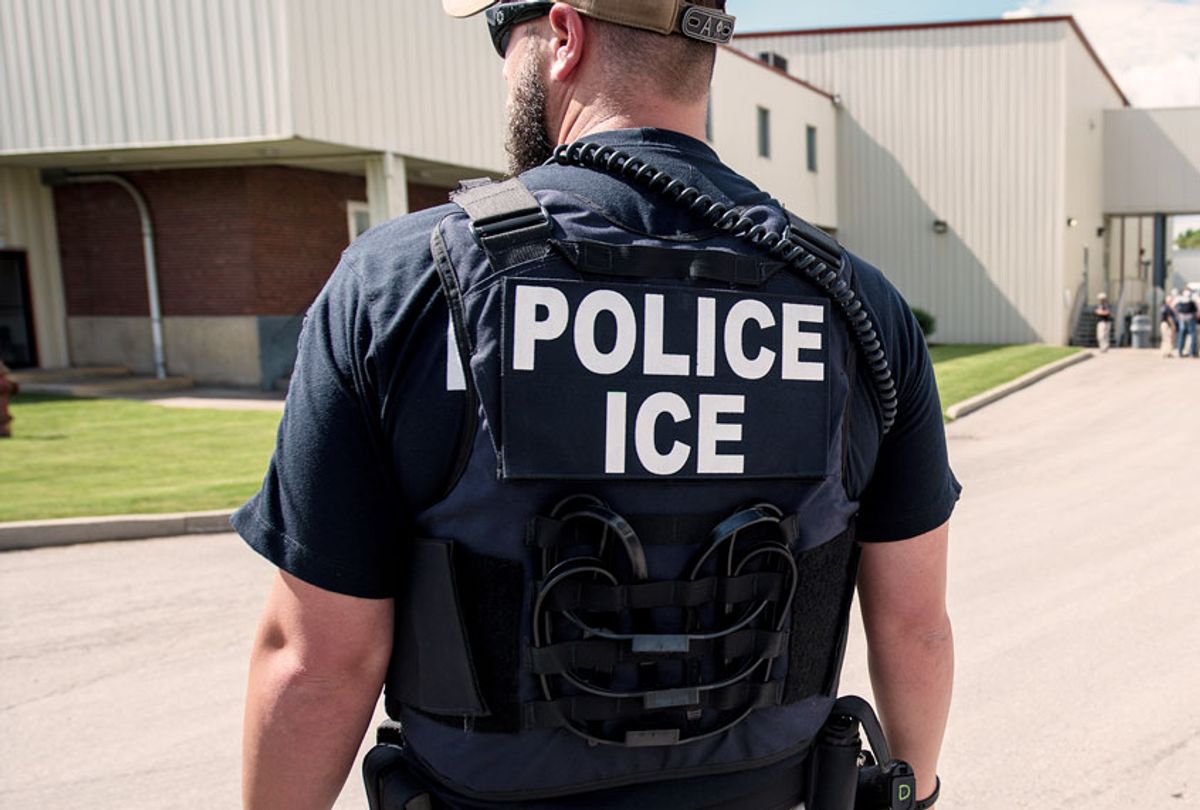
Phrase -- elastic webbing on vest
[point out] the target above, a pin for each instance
(623, 659)
(603, 656)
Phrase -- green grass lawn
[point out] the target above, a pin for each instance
(964, 371)
(72, 457)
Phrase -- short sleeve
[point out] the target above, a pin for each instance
(325, 513)
(911, 489)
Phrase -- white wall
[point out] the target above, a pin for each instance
(91, 74)
(397, 76)
(742, 85)
(1152, 161)
(1088, 93)
(27, 223)
(962, 124)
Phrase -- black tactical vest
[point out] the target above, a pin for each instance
(644, 567)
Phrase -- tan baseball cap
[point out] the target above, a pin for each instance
(699, 19)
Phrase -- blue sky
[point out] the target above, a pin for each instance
(766, 14)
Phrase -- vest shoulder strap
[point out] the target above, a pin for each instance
(504, 216)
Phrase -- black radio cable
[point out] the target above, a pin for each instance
(720, 216)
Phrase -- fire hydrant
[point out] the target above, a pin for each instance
(8, 388)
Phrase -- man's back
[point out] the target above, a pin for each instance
(459, 398)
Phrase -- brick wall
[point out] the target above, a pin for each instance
(230, 241)
(421, 196)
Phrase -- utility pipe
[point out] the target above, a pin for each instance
(156, 328)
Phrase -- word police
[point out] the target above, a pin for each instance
(666, 371)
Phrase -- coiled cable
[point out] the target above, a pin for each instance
(779, 246)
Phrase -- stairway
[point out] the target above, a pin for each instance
(95, 381)
(1085, 330)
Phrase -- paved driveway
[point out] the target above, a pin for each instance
(1076, 558)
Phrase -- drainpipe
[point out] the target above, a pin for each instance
(60, 178)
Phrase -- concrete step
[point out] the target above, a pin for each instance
(38, 376)
(109, 386)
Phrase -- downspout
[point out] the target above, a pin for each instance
(156, 328)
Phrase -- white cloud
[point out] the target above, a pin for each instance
(1152, 47)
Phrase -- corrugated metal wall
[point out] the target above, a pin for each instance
(1089, 94)
(80, 74)
(400, 76)
(740, 87)
(27, 224)
(963, 125)
(1152, 161)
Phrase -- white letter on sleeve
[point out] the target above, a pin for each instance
(528, 329)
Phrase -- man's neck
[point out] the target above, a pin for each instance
(581, 121)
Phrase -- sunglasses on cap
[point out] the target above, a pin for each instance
(501, 20)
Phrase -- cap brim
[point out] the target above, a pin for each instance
(466, 8)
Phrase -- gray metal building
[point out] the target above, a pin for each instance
(993, 168)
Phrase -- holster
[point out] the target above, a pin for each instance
(391, 782)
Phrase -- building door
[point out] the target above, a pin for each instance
(17, 348)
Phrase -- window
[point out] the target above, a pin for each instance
(764, 132)
(358, 217)
(774, 60)
(811, 144)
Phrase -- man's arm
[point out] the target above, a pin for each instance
(902, 591)
(317, 667)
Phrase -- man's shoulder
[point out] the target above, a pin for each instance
(879, 294)
(397, 239)
(389, 268)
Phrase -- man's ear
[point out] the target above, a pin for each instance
(570, 41)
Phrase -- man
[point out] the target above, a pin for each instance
(1186, 312)
(1104, 321)
(1168, 324)
(515, 525)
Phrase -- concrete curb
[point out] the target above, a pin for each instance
(961, 409)
(69, 531)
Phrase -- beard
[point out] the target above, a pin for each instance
(527, 139)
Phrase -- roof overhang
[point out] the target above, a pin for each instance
(866, 29)
(295, 152)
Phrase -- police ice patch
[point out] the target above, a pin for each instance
(639, 382)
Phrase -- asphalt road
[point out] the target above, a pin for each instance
(1075, 563)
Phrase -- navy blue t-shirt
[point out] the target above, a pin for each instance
(371, 429)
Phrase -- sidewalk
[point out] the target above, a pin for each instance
(220, 399)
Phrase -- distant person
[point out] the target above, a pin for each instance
(1185, 313)
(1168, 325)
(8, 389)
(1104, 320)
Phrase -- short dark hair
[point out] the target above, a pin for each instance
(678, 68)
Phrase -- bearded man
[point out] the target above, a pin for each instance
(583, 469)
